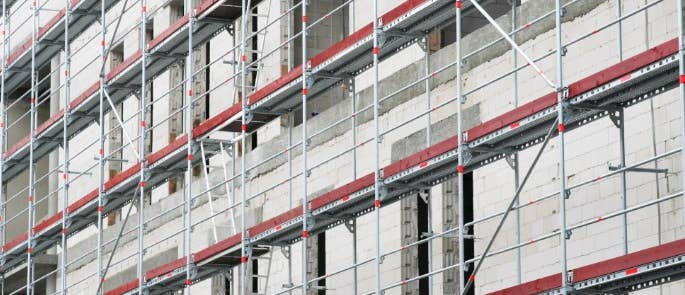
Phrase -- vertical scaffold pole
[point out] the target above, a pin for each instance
(101, 148)
(624, 189)
(244, 244)
(460, 152)
(355, 271)
(305, 172)
(188, 122)
(3, 117)
(376, 151)
(427, 88)
(289, 248)
(619, 28)
(622, 143)
(32, 126)
(563, 235)
(291, 124)
(681, 78)
(515, 160)
(3, 196)
(353, 96)
(65, 155)
(141, 147)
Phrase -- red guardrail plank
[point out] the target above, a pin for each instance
(421, 156)
(19, 51)
(599, 269)
(121, 177)
(123, 288)
(216, 120)
(84, 95)
(22, 142)
(83, 201)
(205, 5)
(629, 261)
(274, 85)
(163, 152)
(165, 268)
(623, 68)
(212, 250)
(54, 118)
(275, 221)
(168, 32)
(124, 65)
(55, 19)
(342, 45)
(579, 87)
(48, 222)
(342, 192)
(27, 44)
(16, 241)
(332, 50)
(537, 286)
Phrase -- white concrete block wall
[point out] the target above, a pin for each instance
(21, 22)
(588, 151)
(269, 40)
(160, 236)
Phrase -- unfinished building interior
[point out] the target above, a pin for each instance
(407, 147)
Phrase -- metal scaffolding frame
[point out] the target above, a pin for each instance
(569, 106)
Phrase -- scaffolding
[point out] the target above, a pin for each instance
(566, 107)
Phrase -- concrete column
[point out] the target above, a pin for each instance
(116, 57)
(324, 34)
(200, 83)
(313, 262)
(410, 257)
(53, 160)
(176, 95)
(450, 283)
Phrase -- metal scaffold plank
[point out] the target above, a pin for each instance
(604, 275)
(167, 44)
(408, 15)
(51, 33)
(429, 164)
(623, 84)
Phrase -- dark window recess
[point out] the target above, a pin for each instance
(468, 217)
(473, 21)
(149, 30)
(148, 131)
(448, 35)
(255, 276)
(422, 227)
(321, 262)
(43, 95)
(227, 283)
(208, 53)
(116, 55)
(254, 140)
(255, 45)
(150, 117)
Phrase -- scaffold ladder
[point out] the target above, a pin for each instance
(228, 182)
(257, 68)
(206, 169)
(262, 276)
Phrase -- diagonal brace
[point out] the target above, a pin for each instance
(513, 202)
(116, 244)
(121, 124)
(513, 44)
(116, 29)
